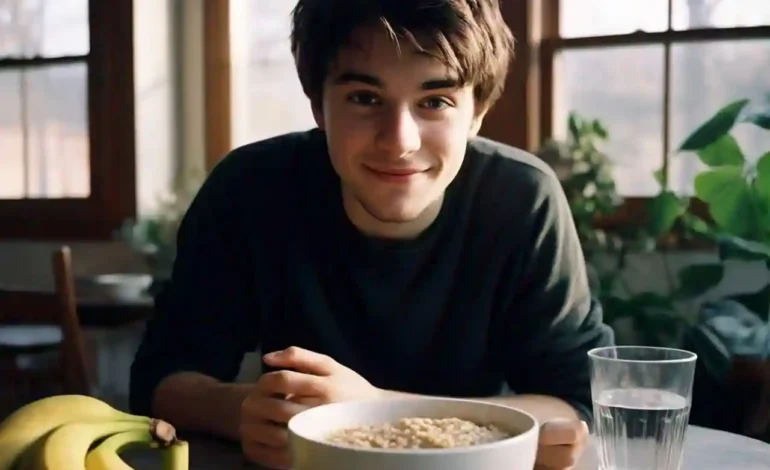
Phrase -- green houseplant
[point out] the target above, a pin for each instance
(154, 235)
(732, 186)
(585, 172)
(736, 190)
(731, 334)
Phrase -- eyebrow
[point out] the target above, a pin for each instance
(357, 77)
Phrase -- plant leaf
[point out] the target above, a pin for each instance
(732, 202)
(696, 225)
(696, 279)
(646, 300)
(731, 247)
(615, 308)
(760, 118)
(599, 129)
(660, 177)
(758, 302)
(725, 151)
(719, 125)
(664, 210)
(656, 318)
(574, 130)
(762, 182)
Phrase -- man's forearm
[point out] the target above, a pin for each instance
(543, 408)
(196, 402)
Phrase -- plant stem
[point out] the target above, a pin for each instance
(667, 271)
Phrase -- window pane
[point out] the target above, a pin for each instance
(704, 78)
(693, 14)
(623, 88)
(580, 18)
(267, 97)
(44, 132)
(11, 138)
(47, 28)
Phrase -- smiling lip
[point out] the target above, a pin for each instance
(397, 175)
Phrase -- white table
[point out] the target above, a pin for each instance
(705, 449)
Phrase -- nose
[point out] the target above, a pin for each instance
(399, 132)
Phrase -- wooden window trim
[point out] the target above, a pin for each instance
(112, 142)
(633, 211)
(216, 80)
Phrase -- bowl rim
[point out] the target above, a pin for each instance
(534, 429)
(120, 278)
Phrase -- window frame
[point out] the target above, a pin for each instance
(111, 130)
(217, 87)
(633, 211)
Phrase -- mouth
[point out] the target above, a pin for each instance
(395, 174)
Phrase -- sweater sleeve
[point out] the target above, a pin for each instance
(552, 321)
(206, 317)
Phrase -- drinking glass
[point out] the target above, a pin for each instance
(641, 399)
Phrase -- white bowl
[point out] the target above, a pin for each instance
(310, 450)
(123, 286)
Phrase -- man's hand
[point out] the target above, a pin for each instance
(315, 379)
(263, 433)
(561, 445)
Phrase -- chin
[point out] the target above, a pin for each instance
(394, 215)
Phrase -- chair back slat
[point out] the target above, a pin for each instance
(57, 308)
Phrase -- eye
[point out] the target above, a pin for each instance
(364, 98)
(436, 103)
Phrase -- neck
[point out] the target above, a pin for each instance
(373, 227)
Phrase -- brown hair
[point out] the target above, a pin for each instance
(469, 36)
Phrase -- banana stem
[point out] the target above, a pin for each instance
(163, 432)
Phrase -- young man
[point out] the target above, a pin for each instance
(390, 251)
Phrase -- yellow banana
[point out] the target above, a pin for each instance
(27, 460)
(105, 456)
(34, 420)
(67, 447)
(176, 456)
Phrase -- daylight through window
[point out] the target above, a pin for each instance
(44, 139)
(652, 71)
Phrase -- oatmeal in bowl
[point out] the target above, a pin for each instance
(420, 433)
(413, 433)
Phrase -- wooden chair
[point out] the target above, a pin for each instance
(34, 325)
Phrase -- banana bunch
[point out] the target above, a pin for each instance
(78, 432)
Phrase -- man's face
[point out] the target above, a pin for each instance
(397, 127)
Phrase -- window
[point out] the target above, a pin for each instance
(66, 119)
(652, 71)
(267, 97)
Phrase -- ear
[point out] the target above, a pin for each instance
(318, 115)
(478, 120)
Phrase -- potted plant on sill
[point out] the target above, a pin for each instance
(154, 235)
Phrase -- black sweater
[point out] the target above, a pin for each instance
(494, 292)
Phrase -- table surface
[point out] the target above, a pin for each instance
(705, 449)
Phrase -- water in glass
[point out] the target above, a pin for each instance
(642, 398)
(641, 429)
